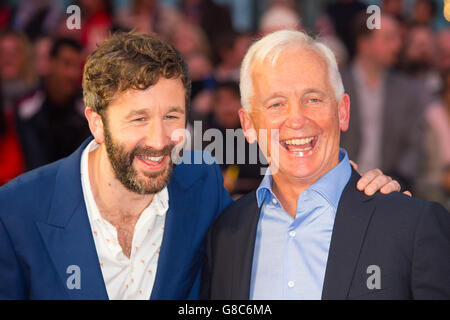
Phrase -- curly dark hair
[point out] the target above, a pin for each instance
(130, 61)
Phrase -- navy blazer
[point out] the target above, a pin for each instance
(408, 239)
(44, 229)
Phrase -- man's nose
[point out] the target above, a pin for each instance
(296, 116)
(156, 135)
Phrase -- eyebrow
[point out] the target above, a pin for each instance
(144, 111)
(138, 112)
(176, 109)
(313, 90)
(304, 91)
(274, 96)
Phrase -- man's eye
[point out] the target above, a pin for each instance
(139, 119)
(171, 117)
(314, 100)
(276, 105)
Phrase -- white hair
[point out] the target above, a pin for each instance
(270, 46)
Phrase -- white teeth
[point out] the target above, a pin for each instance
(298, 142)
(154, 159)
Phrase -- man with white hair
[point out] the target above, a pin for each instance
(306, 233)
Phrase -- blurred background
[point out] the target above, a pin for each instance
(398, 76)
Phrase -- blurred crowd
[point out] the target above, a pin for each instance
(398, 78)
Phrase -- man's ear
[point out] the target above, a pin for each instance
(344, 112)
(247, 126)
(95, 124)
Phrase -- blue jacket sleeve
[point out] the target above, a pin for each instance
(225, 199)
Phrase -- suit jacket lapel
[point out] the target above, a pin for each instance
(244, 244)
(352, 218)
(174, 258)
(67, 233)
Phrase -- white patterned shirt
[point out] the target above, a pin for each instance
(126, 278)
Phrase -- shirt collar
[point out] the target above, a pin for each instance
(329, 187)
(264, 190)
(161, 201)
(91, 206)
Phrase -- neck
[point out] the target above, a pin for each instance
(287, 196)
(288, 188)
(370, 69)
(111, 196)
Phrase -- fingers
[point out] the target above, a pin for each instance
(367, 178)
(382, 183)
(408, 193)
(391, 187)
(354, 165)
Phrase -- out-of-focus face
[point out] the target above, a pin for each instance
(186, 39)
(138, 132)
(443, 50)
(384, 44)
(42, 49)
(12, 58)
(241, 46)
(226, 108)
(200, 67)
(420, 46)
(422, 12)
(295, 98)
(91, 6)
(65, 70)
(393, 6)
(96, 35)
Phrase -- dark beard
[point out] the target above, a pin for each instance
(122, 164)
(417, 67)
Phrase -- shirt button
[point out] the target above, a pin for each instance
(292, 234)
(274, 201)
(291, 284)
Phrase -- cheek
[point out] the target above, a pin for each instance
(130, 138)
(328, 125)
(331, 127)
(268, 131)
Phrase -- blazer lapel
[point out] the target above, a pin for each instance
(352, 218)
(68, 237)
(176, 248)
(244, 244)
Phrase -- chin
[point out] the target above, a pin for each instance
(150, 183)
(307, 168)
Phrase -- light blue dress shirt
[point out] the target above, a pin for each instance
(291, 255)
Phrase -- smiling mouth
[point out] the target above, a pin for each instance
(152, 163)
(302, 145)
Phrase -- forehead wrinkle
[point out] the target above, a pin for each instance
(279, 56)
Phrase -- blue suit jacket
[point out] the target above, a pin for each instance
(44, 229)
